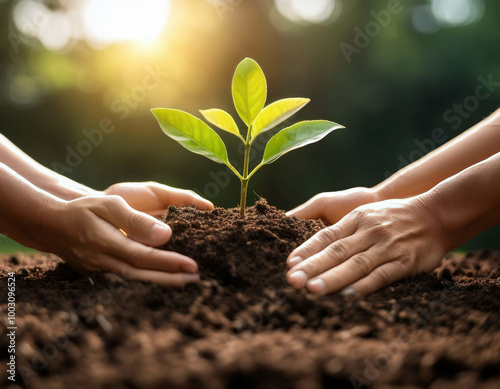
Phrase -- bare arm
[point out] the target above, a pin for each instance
(467, 203)
(148, 197)
(39, 175)
(467, 149)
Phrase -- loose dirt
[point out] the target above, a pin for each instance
(243, 327)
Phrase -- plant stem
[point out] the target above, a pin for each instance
(243, 201)
(244, 180)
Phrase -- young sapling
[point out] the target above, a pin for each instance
(249, 90)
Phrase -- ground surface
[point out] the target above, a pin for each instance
(242, 327)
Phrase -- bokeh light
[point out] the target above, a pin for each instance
(309, 12)
(56, 35)
(23, 89)
(423, 20)
(457, 12)
(52, 28)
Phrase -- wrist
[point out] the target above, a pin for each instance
(445, 221)
(69, 190)
(377, 193)
(44, 218)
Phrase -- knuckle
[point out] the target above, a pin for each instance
(134, 219)
(111, 198)
(108, 203)
(330, 234)
(405, 261)
(135, 258)
(379, 230)
(88, 237)
(312, 267)
(384, 277)
(361, 263)
(358, 215)
(83, 205)
(338, 250)
(394, 241)
(92, 263)
(115, 200)
(321, 199)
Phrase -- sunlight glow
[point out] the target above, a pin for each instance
(99, 22)
(109, 21)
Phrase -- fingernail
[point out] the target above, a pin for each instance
(160, 231)
(189, 267)
(192, 277)
(294, 261)
(298, 279)
(316, 286)
(348, 291)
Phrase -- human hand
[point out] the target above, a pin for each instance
(86, 234)
(330, 207)
(154, 199)
(370, 248)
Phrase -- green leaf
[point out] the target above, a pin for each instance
(249, 90)
(276, 113)
(298, 135)
(192, 133)
(221, 119)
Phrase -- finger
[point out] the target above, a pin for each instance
(332, 256)
(118, 246)
(139, 226)
(180, 197)
(311, 209)
(345, 227)
(348, 272)
(379, 278)
(169, 280)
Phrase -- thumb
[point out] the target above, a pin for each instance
(139, 226)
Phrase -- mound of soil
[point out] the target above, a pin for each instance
(243, 327)
(243, 255)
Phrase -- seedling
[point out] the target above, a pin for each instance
(249, 90)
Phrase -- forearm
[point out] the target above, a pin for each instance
(467, 203)
(23, 208)
(39, 175)
(469, 148)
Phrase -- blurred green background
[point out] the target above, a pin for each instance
(390, 71)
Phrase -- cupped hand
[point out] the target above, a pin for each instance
(370, 248)
(154, 199)
(89, 234)
(330, 207)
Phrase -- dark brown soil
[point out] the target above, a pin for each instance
(243, 327)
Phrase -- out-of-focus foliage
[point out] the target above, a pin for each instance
(78, 79)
